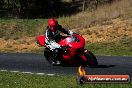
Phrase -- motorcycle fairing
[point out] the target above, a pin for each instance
(41, 40)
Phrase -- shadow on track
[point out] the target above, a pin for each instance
(105, 66)
(98, 66)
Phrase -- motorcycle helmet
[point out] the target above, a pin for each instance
(52, 24)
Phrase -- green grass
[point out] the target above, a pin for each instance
(17, 28)
(110, 49)
(20, 80)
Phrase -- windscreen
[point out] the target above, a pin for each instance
(72, 39)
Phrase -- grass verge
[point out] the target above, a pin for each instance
(18, 28)
(110, 49)
(20, 80)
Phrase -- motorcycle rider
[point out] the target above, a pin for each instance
(52, 34)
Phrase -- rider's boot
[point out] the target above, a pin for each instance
(56, 57)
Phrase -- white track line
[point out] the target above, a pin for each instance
(27, 72)
(50, 74)
(3, 70)
(14, 71)
(40, 73)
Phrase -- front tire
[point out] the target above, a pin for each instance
(91, 59)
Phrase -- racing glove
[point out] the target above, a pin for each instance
(71, 32)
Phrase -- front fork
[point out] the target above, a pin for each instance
(82, 54)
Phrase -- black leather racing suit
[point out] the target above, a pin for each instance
(55, 36)
(52, 38)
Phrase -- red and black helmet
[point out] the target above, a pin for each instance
(52, 24)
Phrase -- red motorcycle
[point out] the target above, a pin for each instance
(73, 52)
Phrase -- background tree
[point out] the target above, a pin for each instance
(46, 8)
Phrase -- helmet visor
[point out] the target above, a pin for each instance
(53, 28)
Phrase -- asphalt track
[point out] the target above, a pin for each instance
(36, 63)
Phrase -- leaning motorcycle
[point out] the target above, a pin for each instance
(73, 52)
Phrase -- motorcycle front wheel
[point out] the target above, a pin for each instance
(91, 60)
